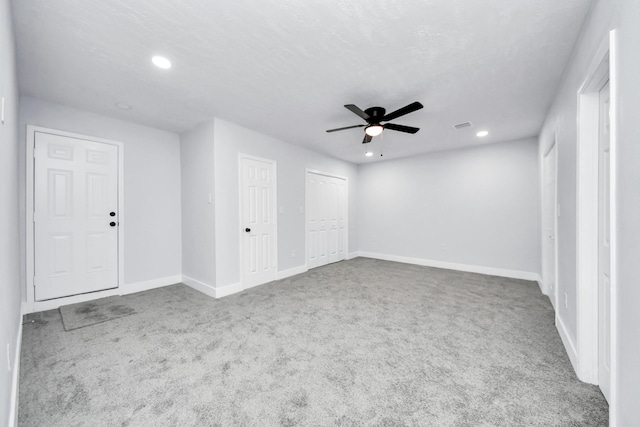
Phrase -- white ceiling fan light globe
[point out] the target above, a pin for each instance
(161, 62)
(373, 130)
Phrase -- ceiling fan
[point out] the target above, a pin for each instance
(374, 116)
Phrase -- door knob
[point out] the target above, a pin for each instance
(248, 230)
(113, 224)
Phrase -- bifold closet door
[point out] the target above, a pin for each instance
(326, 219)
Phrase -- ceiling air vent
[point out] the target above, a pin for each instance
(462, 125)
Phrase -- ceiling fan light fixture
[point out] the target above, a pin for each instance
(161, 62)
(373, 130)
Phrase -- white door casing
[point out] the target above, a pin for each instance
(258, 212)
(326, 219)
(549, 223)
(75, 216)
(604, 244)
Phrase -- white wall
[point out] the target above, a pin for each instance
(624, 15)
(481, 202)
(230, 140)
(152, 213)
(198, 213)
(10, 289)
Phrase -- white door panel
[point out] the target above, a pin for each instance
(604, 250)
(75, 190)
(326, 219)
(258, 213)
(549, 215)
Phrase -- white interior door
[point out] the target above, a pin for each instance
(549, 214)
(326, 219)
(258, 221)
(604, 249)
(75, 216)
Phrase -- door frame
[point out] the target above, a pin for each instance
(307, 171)
(274, 200)
(602, 68)
(552, 146)
(31, 304)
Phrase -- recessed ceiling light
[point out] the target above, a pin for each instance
(161, 62)
(368, 154)
(122, 106)
(482, 134)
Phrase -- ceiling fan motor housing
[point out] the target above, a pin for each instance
(375, 114)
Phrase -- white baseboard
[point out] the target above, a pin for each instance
(199, 286)
(513, 274)
(237, 287)
(569, 346)
(128, 288)
(352, 255)
(15, 382)
(291, 272)
(228, 290)
(132, 288)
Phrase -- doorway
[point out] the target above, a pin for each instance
(596, 230)
(258, 218)
(74, 203)
(326, 219)
(604, 241)
(549, 222)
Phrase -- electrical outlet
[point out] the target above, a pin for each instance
(9, 357)
(444, 247)
(566, 301)
(374, 238)
(293, 253)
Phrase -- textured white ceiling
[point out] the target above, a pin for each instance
(287, 67)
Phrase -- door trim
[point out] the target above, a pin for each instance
(274, 199)
(306, 209)
(603, 67)
(552, 146)
(31, 304)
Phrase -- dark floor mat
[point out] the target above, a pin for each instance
(89, 313)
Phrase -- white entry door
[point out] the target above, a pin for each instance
(75, 216)
(326, 219)
(549, 214)
(604, 249)
(258, 192)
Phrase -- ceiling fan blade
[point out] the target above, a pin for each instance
(367, 139)
(402, 111)
(401, 128)
(348, 127)
(354, 109)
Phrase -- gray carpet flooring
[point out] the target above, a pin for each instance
(361, 342)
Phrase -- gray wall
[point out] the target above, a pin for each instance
(10, 289)
(152, 214)
(624, 15)
(230, 141)
(198, 215)
(482, 203)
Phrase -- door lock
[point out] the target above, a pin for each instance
(247, 230)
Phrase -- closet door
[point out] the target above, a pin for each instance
(326, 219)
